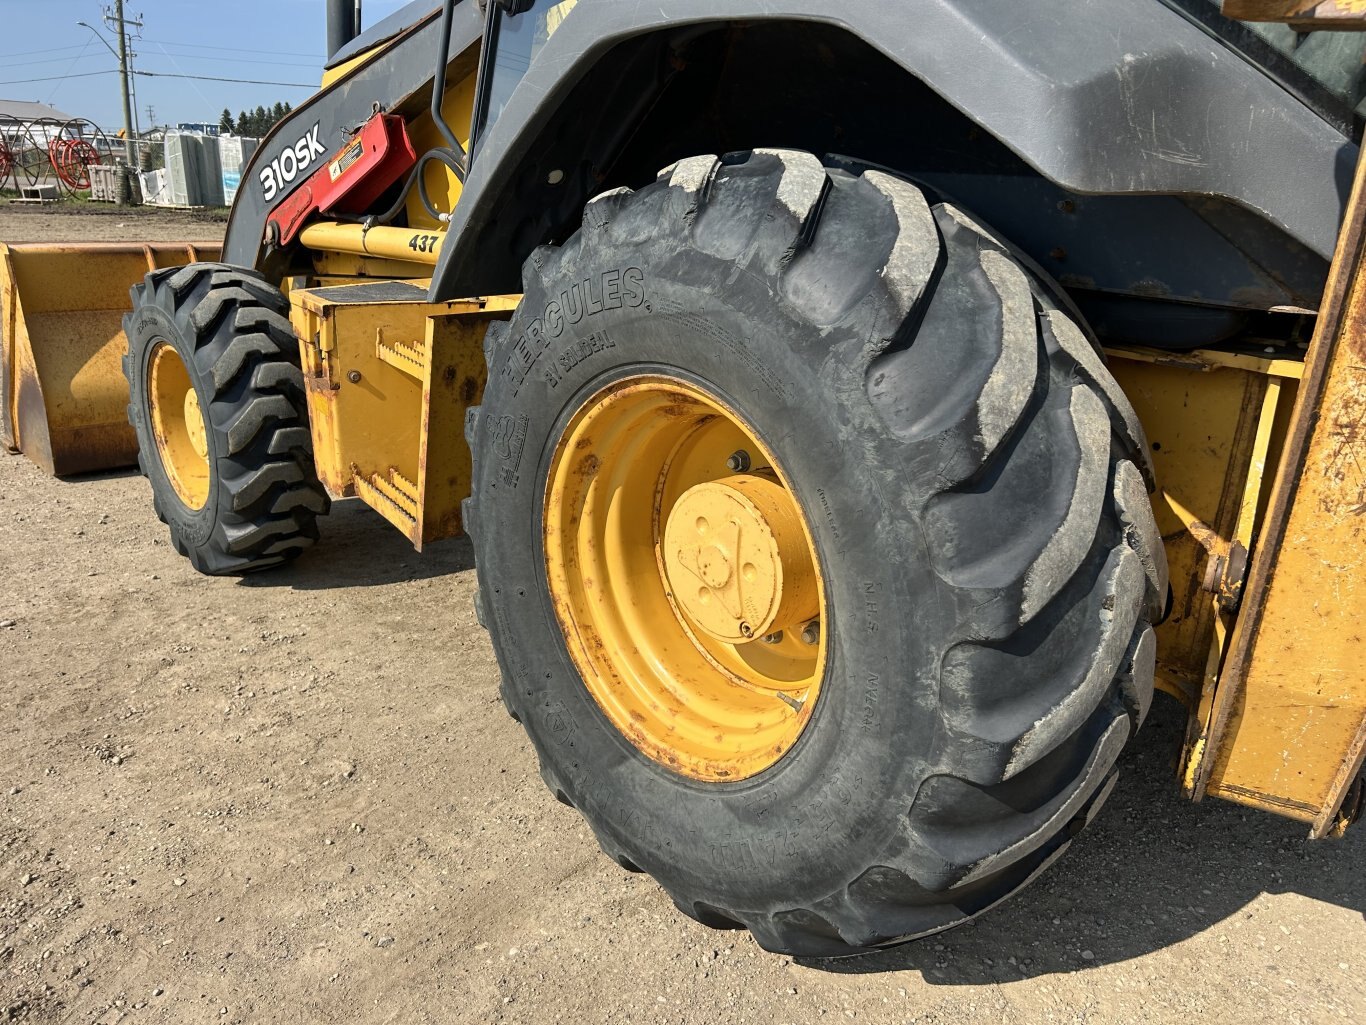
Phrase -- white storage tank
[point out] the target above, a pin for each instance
(184, 171)
(210, 170)
(234, 152)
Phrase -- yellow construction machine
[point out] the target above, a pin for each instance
(839, 492)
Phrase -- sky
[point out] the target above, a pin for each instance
(47, 57)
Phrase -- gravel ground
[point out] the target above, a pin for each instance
(101, 223)
(297, 798)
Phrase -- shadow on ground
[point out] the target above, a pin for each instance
(1151, 871)
(117, 473)
(360, 549)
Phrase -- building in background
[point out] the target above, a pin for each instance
(26, 110)
(14, 112)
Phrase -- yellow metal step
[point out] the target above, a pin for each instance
(404, 485)
(405, 356)
(389, 500)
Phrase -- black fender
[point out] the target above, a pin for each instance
(382, 31)
(1111, 97)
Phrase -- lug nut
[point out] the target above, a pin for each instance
(773, 638)
(746, 630)
(811, 633)
(738, 462)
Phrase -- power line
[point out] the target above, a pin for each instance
(90, 74)
(234, 49)
(30, 53)
(171, 53)
(69, 68)
(181, 70)
(187, 56)
(168, 53)
(236, 60)
(49, 60)
(211, 78)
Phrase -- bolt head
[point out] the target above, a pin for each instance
(738, 462)
(353, 376)
(773, 638)
(811, 633)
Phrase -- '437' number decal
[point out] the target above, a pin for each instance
(424, 243)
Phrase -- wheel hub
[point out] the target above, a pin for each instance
(737, 560)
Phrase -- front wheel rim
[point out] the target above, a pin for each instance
(685, 579)
(178, 426)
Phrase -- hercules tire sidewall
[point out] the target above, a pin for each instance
(799, 825)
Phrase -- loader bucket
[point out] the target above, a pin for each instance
(63, 396)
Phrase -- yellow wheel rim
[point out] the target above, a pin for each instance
(178, 426)
(685, 579)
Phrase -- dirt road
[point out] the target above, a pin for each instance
(297, 798)
(101, 223)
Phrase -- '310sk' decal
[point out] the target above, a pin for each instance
(294, 161)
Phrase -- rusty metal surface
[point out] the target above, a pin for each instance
(455, 377)
(1288, 727)
(63, 401)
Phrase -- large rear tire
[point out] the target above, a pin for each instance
(974, 487)
(217, 401)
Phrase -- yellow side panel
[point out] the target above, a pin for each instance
(454, 377)
(366, 416)
(389, 378)
(1210, 419)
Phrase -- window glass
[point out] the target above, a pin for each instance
(1332, 60)
(516, 40)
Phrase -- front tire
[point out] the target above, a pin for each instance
(975, 489)
(217, 402)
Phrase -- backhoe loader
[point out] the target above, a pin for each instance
(856, 410)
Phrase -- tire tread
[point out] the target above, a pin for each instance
(245, 352)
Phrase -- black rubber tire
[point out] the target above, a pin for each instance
(977, 485)
(231, 328)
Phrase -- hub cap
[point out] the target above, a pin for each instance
(737, 561)
(684, 578)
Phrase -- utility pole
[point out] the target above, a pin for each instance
(130, 145)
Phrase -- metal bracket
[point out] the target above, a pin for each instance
(1226, 575)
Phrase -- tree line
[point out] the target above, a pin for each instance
(253, 124)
